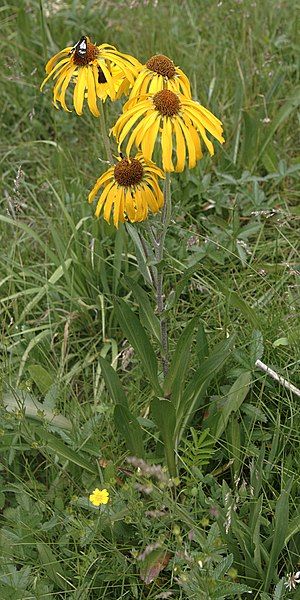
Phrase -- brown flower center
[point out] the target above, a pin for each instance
(128, 172)
(162, 65)
(167, 103)
(84, 52)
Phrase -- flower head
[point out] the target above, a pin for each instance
(160, 73)
(181, 121)
(99, 497)
(130, 190)
(97, 71)
(292, 580)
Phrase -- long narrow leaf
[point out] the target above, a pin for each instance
(280, 530)
(179, 363)
(130, 429)
(196, 389)
(112, 382)
(164, 416)
(147, 314)
(138, 338)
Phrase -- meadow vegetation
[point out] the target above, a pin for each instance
(207, 504)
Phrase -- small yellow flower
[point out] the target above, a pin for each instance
(160, 73)
(99, 497)
(179, 122)
(130, 190)
(97, 71)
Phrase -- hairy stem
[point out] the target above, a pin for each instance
(105, 137)
(159, 253)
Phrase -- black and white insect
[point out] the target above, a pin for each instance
(81, 47)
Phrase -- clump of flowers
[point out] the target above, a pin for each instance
(99, 497)
(160, 109)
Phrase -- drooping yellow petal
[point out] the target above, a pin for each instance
(207, 142)
(91, 93)
(56, 70)
(198, 117)
(167, 145)
(189, 143)
(180, 146)
(149, 141)
(79, 90)
(67, 79)
(111, 198)
(129, 207)
(102, 198)
(55, 58)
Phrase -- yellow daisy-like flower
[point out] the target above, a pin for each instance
(99, 497)
(160, 73)
(130, 190)
(181, 121)
(97, 71)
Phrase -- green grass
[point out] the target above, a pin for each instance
(231, 261)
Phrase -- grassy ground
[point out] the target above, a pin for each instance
(232, 260)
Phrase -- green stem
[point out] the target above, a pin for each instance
(159, 252)
(106, 140)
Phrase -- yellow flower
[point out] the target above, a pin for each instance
(130, 189)
(181, 121)
(97, 71)
(99, 497)
(160, 73)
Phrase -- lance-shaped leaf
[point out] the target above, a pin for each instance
(130, 429)
(281, 521)
(180, 361)
(148, 317)
(136, 335)
(164, 416)
(194, 392)
(234, 399)
(112, 382)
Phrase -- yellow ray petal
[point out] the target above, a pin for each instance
(167, 145)
(91, 93)
(102, 198)
(54, 59)
(79, 90)
(149, 141)
(112, 196)
(97, 186)
(197, 117)
(189, 143)
(64, 86)
(57, 70)
(180, 147)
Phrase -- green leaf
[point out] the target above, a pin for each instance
(234, 400)
(283, 114)
(130, 429)
(237, 302)
(202, 350)
(164, 416)
(54, 570)
(20, 400)
(196, 389)
(112, 382)
(49, 441)
(280, 531)
(144, 253)
(137, 337)
(41, 378)
(179, 364)
(148, 318)
(118, 256)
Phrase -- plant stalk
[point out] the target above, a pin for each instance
(105, 138)
(159, 253)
